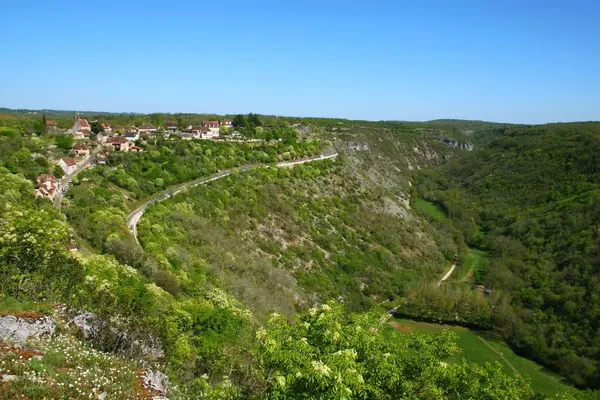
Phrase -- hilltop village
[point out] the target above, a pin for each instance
(95, 141)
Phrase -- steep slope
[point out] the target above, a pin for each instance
(535, 192)
(279, 239)
(194, 300)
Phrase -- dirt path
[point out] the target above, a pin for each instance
(452, 268)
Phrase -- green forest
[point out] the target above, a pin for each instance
(530, 198)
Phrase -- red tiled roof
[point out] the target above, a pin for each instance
(46, 177)
(69, 161)
(117, 140)
(171, 123)
(146, 126)
(83, 123)
(80, 146)
(50, 122)
(104, 125)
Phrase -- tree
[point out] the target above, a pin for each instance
(58, 171)
(38, 127)
(64, 142)
(223, 130)
(239, 121)
(254, 120)
(44, 123)
(330, 354)
(96, 127)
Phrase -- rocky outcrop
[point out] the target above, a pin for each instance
(303, 130)
(18, 330)
(156, 382)
(108, 338)
(455, 143)
(358, 146)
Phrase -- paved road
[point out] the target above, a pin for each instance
(134, 217)
(65, 180)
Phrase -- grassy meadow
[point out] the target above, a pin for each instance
(480, 348)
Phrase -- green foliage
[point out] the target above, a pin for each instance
(64, 142)
(459, 305)
(8, 132)
(253, 120)
(477, 347)
(430, 209)
(535, 192)
(96, 127)
(312, 223)
(32, 265)
(330, 354)
(256, 234)
(22, 155)
(239, 121)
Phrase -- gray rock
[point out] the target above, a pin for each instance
(158, 381)
(455, 143)
(87, 323)
(19, 330)
(303, 130)
(108, 338)
(9, 378)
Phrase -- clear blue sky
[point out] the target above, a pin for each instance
(514, 61)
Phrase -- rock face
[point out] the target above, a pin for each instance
(19, 330)
(303, 130)
(455, 143)
(358, 146)
(107, 337)
(87, 323)
(157, 381)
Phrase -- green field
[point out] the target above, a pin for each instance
(475, 349)
(430, 209)
(472, 269)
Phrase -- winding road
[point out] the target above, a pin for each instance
(134, 217)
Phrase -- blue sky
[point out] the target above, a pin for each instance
(514, 61)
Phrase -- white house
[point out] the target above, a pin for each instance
(120, 143)
(67, 164)
(171, 126)
(132, 136)
(46, 186)
(146, 128)
(81, 150)
(211, 124)
(209, 133)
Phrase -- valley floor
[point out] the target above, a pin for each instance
(481, 348)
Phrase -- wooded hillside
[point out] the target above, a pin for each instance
(535, 193)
